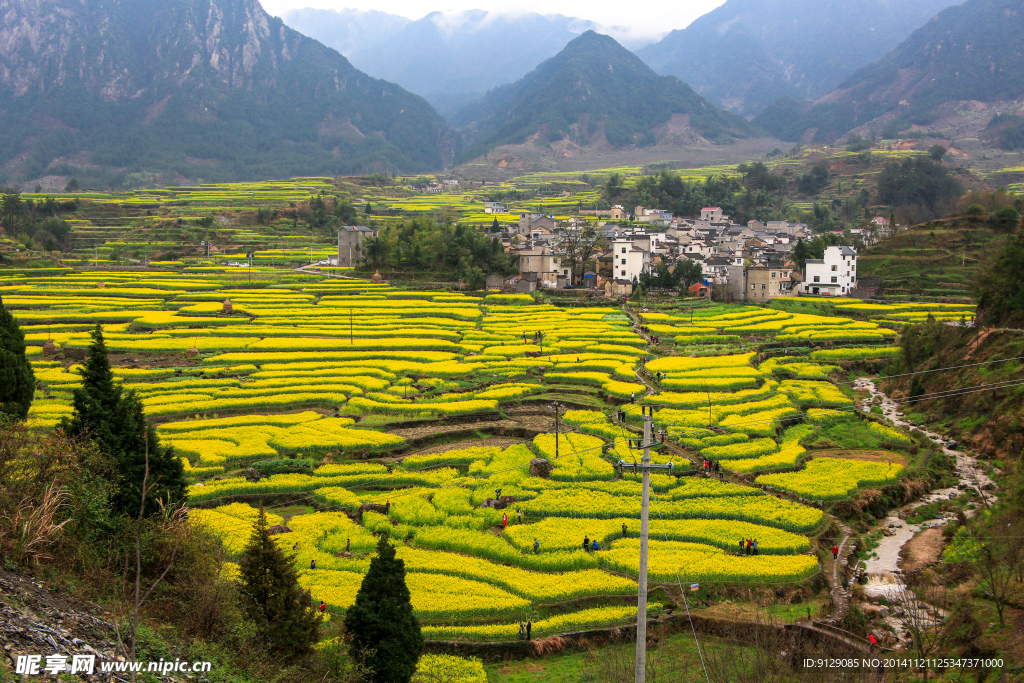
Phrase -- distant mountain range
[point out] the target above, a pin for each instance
(595, 92)
(971, 52)
(118, 91)
(746, 54)
(450, 58)
(346, 30)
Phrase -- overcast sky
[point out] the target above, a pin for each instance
(645, 17)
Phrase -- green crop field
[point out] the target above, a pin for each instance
(334, 371)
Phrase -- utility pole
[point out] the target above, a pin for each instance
(641, 602)
(556, 406)
(645, 467)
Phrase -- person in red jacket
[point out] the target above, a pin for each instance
(504, 520)
(835, 552)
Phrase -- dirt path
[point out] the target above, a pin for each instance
(495, 442)
(430, 430)
(651, 389)
(834, 574)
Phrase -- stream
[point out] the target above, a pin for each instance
(884, 577)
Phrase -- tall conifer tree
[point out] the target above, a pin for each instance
(116, 422)
(381, 621)
(17, 381)
(273, 598)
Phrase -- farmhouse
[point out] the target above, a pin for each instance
(833, 275)
(350, 243)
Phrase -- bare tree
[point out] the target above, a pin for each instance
(578, 246)
(921, 618)
(173, 520)
(1000, 551)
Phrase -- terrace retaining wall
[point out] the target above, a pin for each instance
(799, 635)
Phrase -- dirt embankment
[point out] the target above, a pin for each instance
(922, 550)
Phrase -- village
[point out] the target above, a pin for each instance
(621, 248)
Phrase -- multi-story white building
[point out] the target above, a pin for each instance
(629, 260)
(833, 275)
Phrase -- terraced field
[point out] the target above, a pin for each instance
(329, 376)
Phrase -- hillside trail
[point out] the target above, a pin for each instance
(635, 322)
(884, 577)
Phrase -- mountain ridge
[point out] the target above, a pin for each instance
(594, 88)
(969, 52)
(194, 88)
(746, 54)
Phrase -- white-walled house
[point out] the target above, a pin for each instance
(833, 275)
(629, 260)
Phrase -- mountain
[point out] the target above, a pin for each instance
(452, 58)
(346, 30)
(595, 92)
(969, 53)
(128, 91)
(746, 54)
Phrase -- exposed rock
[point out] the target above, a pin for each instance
(499, 503)
(36, 619)
(72, 353)
(539, 467)
(278, 529)
(252, 474)
(372, 507)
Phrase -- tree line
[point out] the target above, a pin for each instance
(36, 224)
(422, 244)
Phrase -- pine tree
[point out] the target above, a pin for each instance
(116, 422)
(273, 598)
(381, 621)
(17, 381)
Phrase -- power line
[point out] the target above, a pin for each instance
(951, 367)
(682, 592)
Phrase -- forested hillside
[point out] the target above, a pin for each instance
(591, 87)
(134, 93)
(973, 51)
(746, 54)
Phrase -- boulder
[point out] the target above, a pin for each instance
(252, 474)
(72, 353)
(539, 467)
(278, 529)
